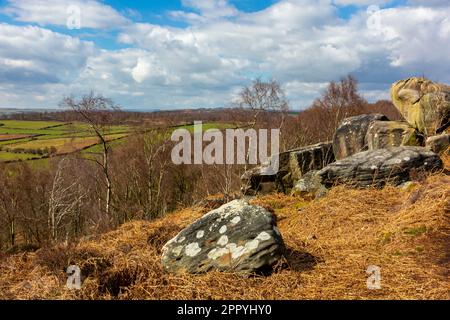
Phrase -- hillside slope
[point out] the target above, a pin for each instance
(330, 243)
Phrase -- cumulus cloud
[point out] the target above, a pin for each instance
(361, 2)
(302, 44)
(92, 14)
(31, 54)
(205, 10)
(429, 3)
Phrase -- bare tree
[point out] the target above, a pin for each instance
(340, 100)
(155, 144)
(98, 112)
(263, 97)
(9, 207)
(64, 200)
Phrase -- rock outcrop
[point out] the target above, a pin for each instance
(293, 164)
(260, 180)
(235, 237)
(381, 166)
(423, 103)
(385, 134)
(350, 136)
(439, 143)
(313, 157)
(369, 149)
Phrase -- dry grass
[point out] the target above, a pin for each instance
(330, 243)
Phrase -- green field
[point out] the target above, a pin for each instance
(33, 140)
(27, 140)
(208, 126)
(29, 124)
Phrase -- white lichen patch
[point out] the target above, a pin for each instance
(200, 234)
(217, 253)
(235, 220)
(231, 248)
(252, 245)
(181, 239)
(223, 240)
(192, 249)
(223, 229)
(237, 252)
(406, 158)
(177, 250)
(263, 236)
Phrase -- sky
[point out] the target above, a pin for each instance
(175, 54)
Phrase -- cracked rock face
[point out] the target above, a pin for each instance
(377, 167)
(235, 237)
(350, 136)
(385, 134)
(423, 103)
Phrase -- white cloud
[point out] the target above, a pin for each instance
(206, 10)
(29, 54)
(361, 2)
(92, 14)
(429, 3)
(302, 44)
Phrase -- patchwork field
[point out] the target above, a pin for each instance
(30, 140)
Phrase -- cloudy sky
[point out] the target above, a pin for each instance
(173, 54)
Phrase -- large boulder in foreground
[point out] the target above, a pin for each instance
(423, 103)
(350, 136)
(378, 167)
(236, 237)
(384, 134)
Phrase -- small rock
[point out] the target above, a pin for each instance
(310, 185)
(236, 237)
(439, 143)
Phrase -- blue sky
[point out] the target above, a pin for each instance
(199, 53)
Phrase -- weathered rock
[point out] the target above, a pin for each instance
(423, 103)
(350, 136)
(310, 184)
(309, 158)
(384, 134)
(292, 165)
(378, 167)
(260, 180)
(235, 237)
(439, 143)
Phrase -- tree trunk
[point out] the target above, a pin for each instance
(107, 178)
(12, 232)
